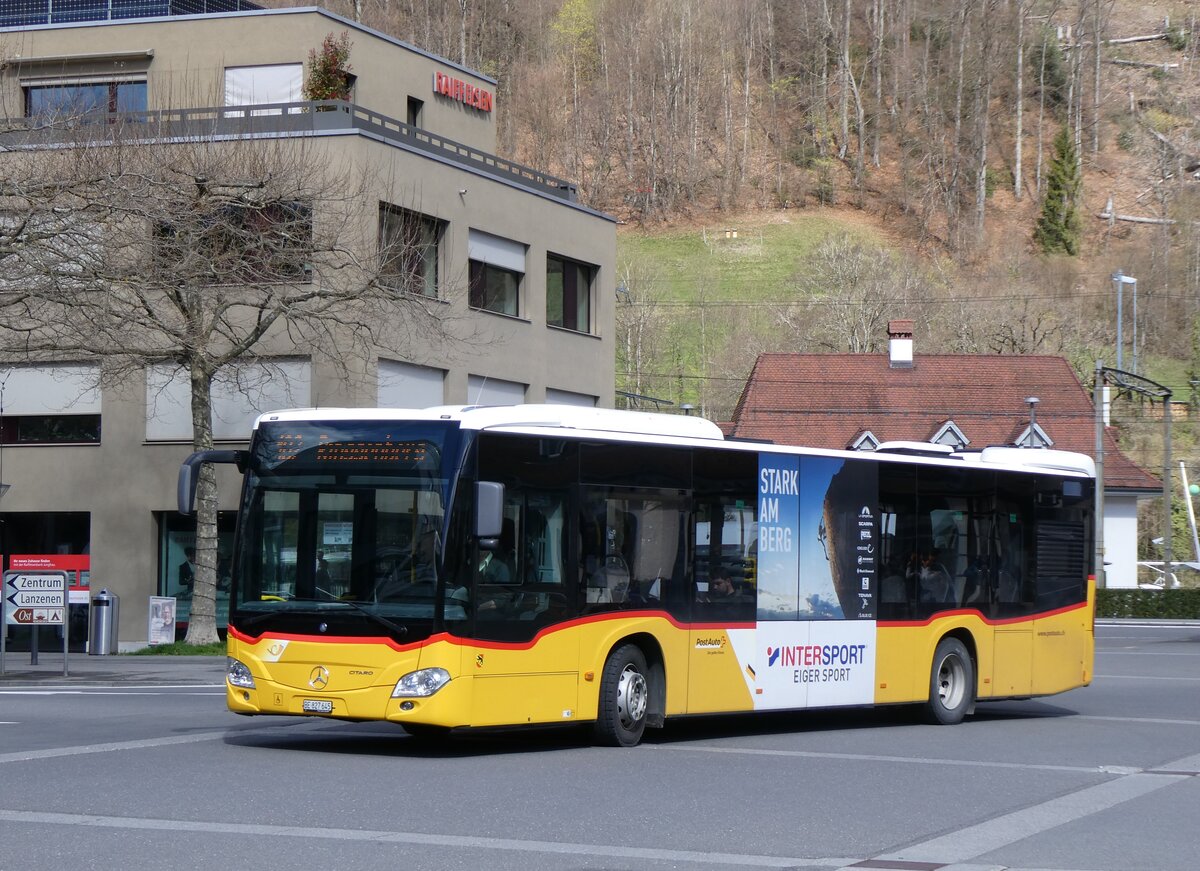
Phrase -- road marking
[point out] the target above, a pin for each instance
(869, 757)
(1153, 721)
(41, 689)
(978, 840)
(90, 692)
(421, 839)
(1146, 677)
(142, 744)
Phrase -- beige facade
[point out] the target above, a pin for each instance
(121, 486)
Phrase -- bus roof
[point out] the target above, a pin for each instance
(634, 425)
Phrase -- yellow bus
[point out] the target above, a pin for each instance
(455, 568)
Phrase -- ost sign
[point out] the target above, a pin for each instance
(35, 598)
(463, 92)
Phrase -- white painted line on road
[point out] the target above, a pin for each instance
(1146, 677)
(1152, 721)
(91, 692)
(55, 752)
(198, 737)
(42, 689)
(870, 757)
(421, 839)
(978, 840)
(1140, 653)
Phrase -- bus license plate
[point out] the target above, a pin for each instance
(318, 706)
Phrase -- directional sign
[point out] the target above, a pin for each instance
(35, 598)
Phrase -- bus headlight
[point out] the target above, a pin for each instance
(238, 674)
(423, 682)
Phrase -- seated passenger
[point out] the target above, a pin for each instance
(936, 585)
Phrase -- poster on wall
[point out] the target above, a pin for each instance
(162, 620)
(76, 565)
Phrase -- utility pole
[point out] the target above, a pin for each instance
(1146, 387)
(1098, 400)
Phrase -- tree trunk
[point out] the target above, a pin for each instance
(202, 621)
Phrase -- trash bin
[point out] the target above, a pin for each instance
(102, 625)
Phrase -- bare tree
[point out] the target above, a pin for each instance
(201, 255)
(847, 294)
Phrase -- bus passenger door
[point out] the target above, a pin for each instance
(721, 635)
(524, 667)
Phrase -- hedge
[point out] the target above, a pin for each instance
(1175, 604)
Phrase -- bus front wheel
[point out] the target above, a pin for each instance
(624, 698)
(951, 683)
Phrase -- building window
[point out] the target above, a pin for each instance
(82, 97)
(406, 385)
(865, 442)
(269, 83)
(51, 429)
(484, 390)
(494, 289)
(408, 250)
(240, 243)
(496, 268)
(177, 567)
(52, 404)
(569, 293)
(951, 436)
(1034, 437)
(413, 116)
(239, 394)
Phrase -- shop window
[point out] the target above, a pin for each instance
(177, 566)
(409, 246)
(569, 294)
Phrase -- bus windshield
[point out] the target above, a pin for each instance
(345, 518)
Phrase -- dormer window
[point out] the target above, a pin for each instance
(865, 441)
(950, 436)
(1033, 437)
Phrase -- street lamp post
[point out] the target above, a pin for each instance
(1120, 279)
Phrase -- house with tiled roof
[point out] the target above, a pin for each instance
(965, 401)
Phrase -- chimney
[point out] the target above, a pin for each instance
(900, 344)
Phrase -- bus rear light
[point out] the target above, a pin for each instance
(421, 683)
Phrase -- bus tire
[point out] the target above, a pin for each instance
(951, 683)
(624, 698)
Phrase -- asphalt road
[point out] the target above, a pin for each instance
(139, 774)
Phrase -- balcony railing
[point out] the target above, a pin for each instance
(286, 119)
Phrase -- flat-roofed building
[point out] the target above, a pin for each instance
(506, 251)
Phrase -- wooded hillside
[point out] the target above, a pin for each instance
(932, 122)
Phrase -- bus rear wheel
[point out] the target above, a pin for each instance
(624, 698)
(951, 683)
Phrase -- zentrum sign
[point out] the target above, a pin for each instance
(463, 92)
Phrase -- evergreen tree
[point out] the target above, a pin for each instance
(1058, 226)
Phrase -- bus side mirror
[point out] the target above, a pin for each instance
(489, 513)
(189, 472)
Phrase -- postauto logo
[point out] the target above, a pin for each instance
(801, 655)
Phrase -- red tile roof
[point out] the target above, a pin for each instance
(828, 400)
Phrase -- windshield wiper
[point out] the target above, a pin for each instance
(254, 619)
(371, 615)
